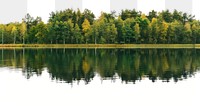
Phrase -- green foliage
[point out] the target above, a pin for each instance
(152, 14)
(187, 34)
(128, 32)
(178, 32)
(23, 30)
(113, 33)
(41, 30)
(163, 27)
(94, 32)
(77, 34)
(167, 16)
(14, 32)
(86, 28)
(131, 26)
(144, 23)
(119, 23)
(136, 32)
(153, 31)
(129, 14)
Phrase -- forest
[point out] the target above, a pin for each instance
(129, 27)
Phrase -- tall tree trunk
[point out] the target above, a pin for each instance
(23, 40)
(63, 41)
(14, 38)
(2, 37)
(76, 41)
(95, 40)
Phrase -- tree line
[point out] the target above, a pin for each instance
(129, 27)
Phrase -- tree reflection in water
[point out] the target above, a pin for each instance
(130, 65)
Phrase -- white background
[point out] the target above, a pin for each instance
(144, 94)
(44, 7)
(39, 92)
(8, 13)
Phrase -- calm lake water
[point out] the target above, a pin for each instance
(60, 78)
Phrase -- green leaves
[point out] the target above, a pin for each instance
(136, 32)
(41, 29)
(86, 28)
(130, 27)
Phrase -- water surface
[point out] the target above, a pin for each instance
(99, 78)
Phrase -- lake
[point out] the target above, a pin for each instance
(98, 78)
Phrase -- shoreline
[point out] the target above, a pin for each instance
(152, 46)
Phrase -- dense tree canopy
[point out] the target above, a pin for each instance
(129, 27)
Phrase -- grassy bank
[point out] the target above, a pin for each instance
(99, 45)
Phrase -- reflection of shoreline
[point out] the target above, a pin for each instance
(129, 65)
(145, 46)
(97, 79)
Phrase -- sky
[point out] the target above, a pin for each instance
(12, 10)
